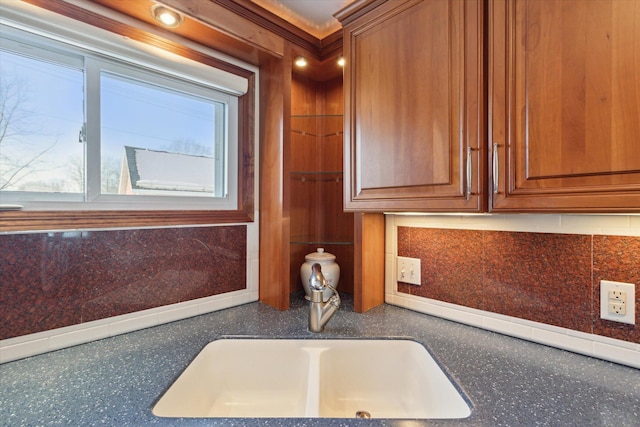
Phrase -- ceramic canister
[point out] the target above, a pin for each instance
(330, 271)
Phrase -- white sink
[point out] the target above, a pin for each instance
(289, 378)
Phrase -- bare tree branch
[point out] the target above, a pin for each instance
(14, 122)
(15, 177)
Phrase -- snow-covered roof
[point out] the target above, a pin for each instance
(166, 171)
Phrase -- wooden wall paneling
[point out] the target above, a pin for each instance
(251, 34)
(334, 96)
(247, 146)
(304, 95)
(232, 24)
(191, 28)
(368, 267)
(275, 85)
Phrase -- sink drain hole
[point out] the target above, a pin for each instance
(363, 414)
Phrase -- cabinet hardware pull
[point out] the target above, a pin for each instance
(469, 172)
(496, 169)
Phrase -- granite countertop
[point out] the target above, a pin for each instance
(510, 382)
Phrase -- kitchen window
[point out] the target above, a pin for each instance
(133, 130)
(82, 130)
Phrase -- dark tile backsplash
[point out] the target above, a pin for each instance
(51, 280)
(616, 258)
(543, 277)
(57, 279)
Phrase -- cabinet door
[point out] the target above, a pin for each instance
(565, 105)
(414, 109)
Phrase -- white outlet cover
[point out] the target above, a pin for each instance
(629, 290)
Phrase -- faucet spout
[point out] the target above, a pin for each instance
(320, 312)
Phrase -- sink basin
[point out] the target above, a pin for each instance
(300, 378)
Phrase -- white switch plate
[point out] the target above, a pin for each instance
(618, 301)
(408, 270)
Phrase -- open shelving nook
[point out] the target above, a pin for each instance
(316, 178)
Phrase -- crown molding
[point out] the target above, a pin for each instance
(270, 21)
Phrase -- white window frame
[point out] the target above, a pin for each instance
(188, 74)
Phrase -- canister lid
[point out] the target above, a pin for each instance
(320, 256)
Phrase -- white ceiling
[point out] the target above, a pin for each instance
(313, 16)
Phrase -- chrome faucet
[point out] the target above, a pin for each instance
(320, 312)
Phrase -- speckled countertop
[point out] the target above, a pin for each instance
(510, 382)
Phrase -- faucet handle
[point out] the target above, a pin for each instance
(317, 281)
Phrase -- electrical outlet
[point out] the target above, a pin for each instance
(617, 308)
(617, 295)
(618, 301)
(408, 270)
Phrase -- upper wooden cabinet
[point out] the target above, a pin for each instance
(564, 105)
(414, 116)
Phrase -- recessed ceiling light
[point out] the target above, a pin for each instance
(300, 61)
(165, 16)
(341, 61)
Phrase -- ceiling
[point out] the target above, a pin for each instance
(313, 16)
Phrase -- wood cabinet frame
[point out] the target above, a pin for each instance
(563, 144)
(445, 183)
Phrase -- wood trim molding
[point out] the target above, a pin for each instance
(331, 45)
(355, 10)
(320, 48)
(266, 19)
(64, 220)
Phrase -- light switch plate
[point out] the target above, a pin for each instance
(618, 301)
(408, 270)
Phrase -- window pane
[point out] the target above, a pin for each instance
(159, 141)
(41, 116)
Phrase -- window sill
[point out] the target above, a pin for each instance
(63, 220)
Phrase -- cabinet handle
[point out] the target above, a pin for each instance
(469, 172)
(496, 170)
